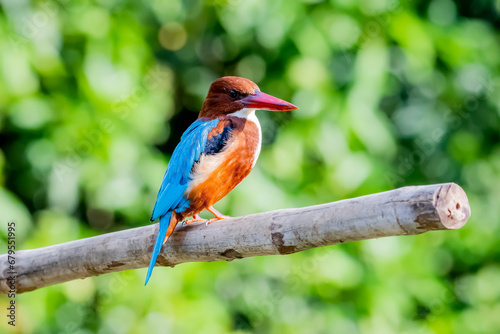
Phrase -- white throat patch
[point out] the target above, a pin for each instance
(249, 115)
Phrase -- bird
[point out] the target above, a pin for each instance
(214, 155)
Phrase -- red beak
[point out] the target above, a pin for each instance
(264, 101)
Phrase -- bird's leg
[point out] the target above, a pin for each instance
(196, 218)
(217, 214)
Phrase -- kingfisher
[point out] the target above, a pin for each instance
(214, 155)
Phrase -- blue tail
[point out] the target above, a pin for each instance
(162, 231)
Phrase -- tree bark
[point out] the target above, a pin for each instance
(403, 211)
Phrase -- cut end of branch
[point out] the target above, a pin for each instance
(452, 205)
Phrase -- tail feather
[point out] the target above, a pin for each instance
(165, 222)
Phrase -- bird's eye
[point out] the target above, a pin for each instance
(233, 94)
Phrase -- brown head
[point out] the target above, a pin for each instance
(230, 94)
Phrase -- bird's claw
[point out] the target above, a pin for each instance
(210, 221)
(195, 219)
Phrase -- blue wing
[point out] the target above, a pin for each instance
(176, 178)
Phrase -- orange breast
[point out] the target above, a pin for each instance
(216, 175)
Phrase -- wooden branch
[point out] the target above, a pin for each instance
(404, 211)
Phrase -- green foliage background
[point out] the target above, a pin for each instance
(94, 95)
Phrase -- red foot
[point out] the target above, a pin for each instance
(217, 214)
(196, 218)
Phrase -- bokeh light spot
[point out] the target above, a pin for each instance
(172, 36)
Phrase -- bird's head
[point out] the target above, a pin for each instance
(231, 94)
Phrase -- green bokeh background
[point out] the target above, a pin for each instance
(94, 95)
